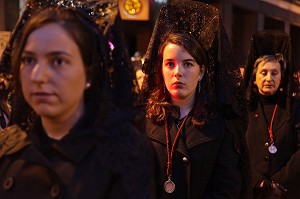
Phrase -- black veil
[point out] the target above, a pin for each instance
(270, 42)
(203, 21)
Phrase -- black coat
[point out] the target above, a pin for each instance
(115, 162)
(205, 162)
(283, 167)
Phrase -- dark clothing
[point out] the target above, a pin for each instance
(111, 162)
(205, 162)
(283, 167)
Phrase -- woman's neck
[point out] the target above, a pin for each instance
(185, 105)
(57, 128)
(269, 99)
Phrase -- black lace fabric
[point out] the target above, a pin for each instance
(203, 21)
(103, 12)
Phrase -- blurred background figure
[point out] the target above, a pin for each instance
(138, 60)
(273, 133)
(138, 77)
(5, 94)
(297, 83)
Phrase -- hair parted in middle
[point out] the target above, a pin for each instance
(84, 32)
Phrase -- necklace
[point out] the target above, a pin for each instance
(169, 185)
(179, 122)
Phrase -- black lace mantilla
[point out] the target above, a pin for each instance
(267, 42)
(103, 13)
(270, 42)
(203, 22)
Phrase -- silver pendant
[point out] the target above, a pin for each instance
(272, 149)
(169, 186)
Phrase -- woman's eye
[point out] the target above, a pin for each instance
(275, 73)
(27, 61)
(189, 64)
(169, 64)
(58, 62)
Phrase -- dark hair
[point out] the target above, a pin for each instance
(93, 49)
(188, 42)
(252, 90)
(159, 105)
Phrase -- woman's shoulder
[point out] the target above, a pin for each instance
(12, 139)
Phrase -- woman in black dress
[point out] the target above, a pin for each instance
(195, 105)
(66, 138)
(273, 134)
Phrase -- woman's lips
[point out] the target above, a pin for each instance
(177, 85)
(41, 96)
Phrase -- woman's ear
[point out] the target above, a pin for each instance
(202, 71)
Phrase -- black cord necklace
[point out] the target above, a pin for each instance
(179, 122)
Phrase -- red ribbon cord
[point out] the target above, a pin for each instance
(271, 124)
(170, 153)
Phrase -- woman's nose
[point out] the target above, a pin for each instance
(268, 77)
(178, 71)
(39, 73)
